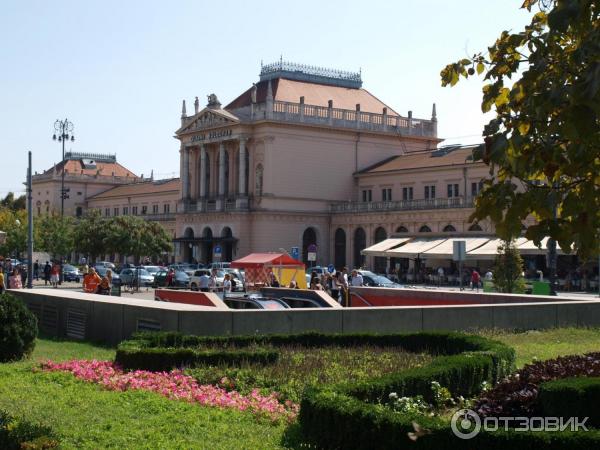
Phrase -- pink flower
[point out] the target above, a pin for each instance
(176, 385)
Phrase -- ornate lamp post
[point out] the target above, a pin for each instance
(64, 130)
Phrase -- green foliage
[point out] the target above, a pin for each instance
(12, 203)
(55, 234)
(508, 267)
(14, 224)
(91, 234)
(571, 397)
(132, 235)
(20, 434)
(18, 329)
(543, 146)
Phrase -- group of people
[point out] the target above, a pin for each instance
(209, 283)
(12, 277)
(336, 284)
(95, 284)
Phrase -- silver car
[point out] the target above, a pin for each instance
(129, 277)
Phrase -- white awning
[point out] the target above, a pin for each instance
(446, 249)
(529, 248)
(524, 245)
(380, 248)
(414, 248)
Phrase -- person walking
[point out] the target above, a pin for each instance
(475, 279)
(109, 278)
(36, 270)
(204, 282)
(91, 281)
(336, 286)
(47, 271)
(55, 275)
(343, 283)
(212, 281)
(227, 284)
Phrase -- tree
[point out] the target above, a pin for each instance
(55, 235)
(91, 235)
(543, 146)
(14, 224)
(508, 269)
(131, 235)
(12, 203)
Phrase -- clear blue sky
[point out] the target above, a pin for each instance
(119, 69)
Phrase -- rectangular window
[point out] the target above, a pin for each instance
(452, 190)
(115, 211)
(144, 209)
(166, 208)
(476, 188)
(155, 209)
(367, 195)
(386, 194)
(125, 210)
(107, 212)
(429, 192)
(407, 193)
(134, 210)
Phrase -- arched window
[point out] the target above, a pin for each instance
(258, 181)
(188, 233)
(401, 229)
(227, 244)
(360, 243)
(449, 229)
(340, 248)
(475, 227)
(380, 234)
(188, 246)
(424, 229)
(309, 237)
(207, 245)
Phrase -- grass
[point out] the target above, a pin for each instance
(540, 345)
(86, 416)
(298, 367)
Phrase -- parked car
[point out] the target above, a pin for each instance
(195, 278)
(152, 270)
(373, 280)
(116, 279)
(106, 264)
(129, 276)
(71, 273)
(219, 265)
(181, 279)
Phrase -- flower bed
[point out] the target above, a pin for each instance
(175, 385)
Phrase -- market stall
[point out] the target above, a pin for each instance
(258, 268)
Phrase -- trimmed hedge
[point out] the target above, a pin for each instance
(18, 329)
(571, 397)
(20, 434)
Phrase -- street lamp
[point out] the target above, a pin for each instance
(64, 129)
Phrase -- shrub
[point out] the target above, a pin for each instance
(20, 434)
(571, 397)
(518, 394)
(18, 329)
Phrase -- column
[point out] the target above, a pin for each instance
(185, 176)
(242, 200)
(220, 206)
(202, 171)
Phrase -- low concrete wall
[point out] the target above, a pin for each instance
(109, 319)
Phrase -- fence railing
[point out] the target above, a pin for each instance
(403, 205)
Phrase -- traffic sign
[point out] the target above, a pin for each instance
(217, 250)
(330, 268)
(312, 248)
(295, 253)
(312, 256)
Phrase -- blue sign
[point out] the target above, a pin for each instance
(331, 268)
(295, 253)
(217, 250)
(312, 248)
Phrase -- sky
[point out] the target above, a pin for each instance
(119, 70)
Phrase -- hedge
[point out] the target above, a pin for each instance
(571, 397)
(18, 329)
(20, 434)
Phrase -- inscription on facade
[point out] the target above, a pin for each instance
(212, 135)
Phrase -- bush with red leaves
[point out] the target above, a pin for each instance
(517, 395)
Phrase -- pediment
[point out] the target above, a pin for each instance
(208, 118)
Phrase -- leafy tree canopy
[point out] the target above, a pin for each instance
(543, 145)
(12, 203)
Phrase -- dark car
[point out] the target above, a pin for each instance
(101, 270)
(373, 280)
(181, 279)
(71, 273)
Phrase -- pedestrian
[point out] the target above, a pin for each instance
(475, 278)
(23, 273)
(109, 277)
(335, 286)
(212, 282)
(91, 281)
(203, 282)
(343, 283)
(15, 279)
(1, 280)
(489, 276)
(170, 281)
(47, 271)
(315, 284)
(357, 279)
(440, 275)
(273, 282)
(227, 284)
(55, 275)
(36, 270)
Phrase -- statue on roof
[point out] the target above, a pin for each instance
(213, 101)
(253, 93)
(196, 106)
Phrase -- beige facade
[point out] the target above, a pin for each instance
(85, 175)
(266, 171)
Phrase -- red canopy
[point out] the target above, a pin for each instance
(269, 259)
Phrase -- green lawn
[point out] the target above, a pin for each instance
(547, 344)
(86, 416)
